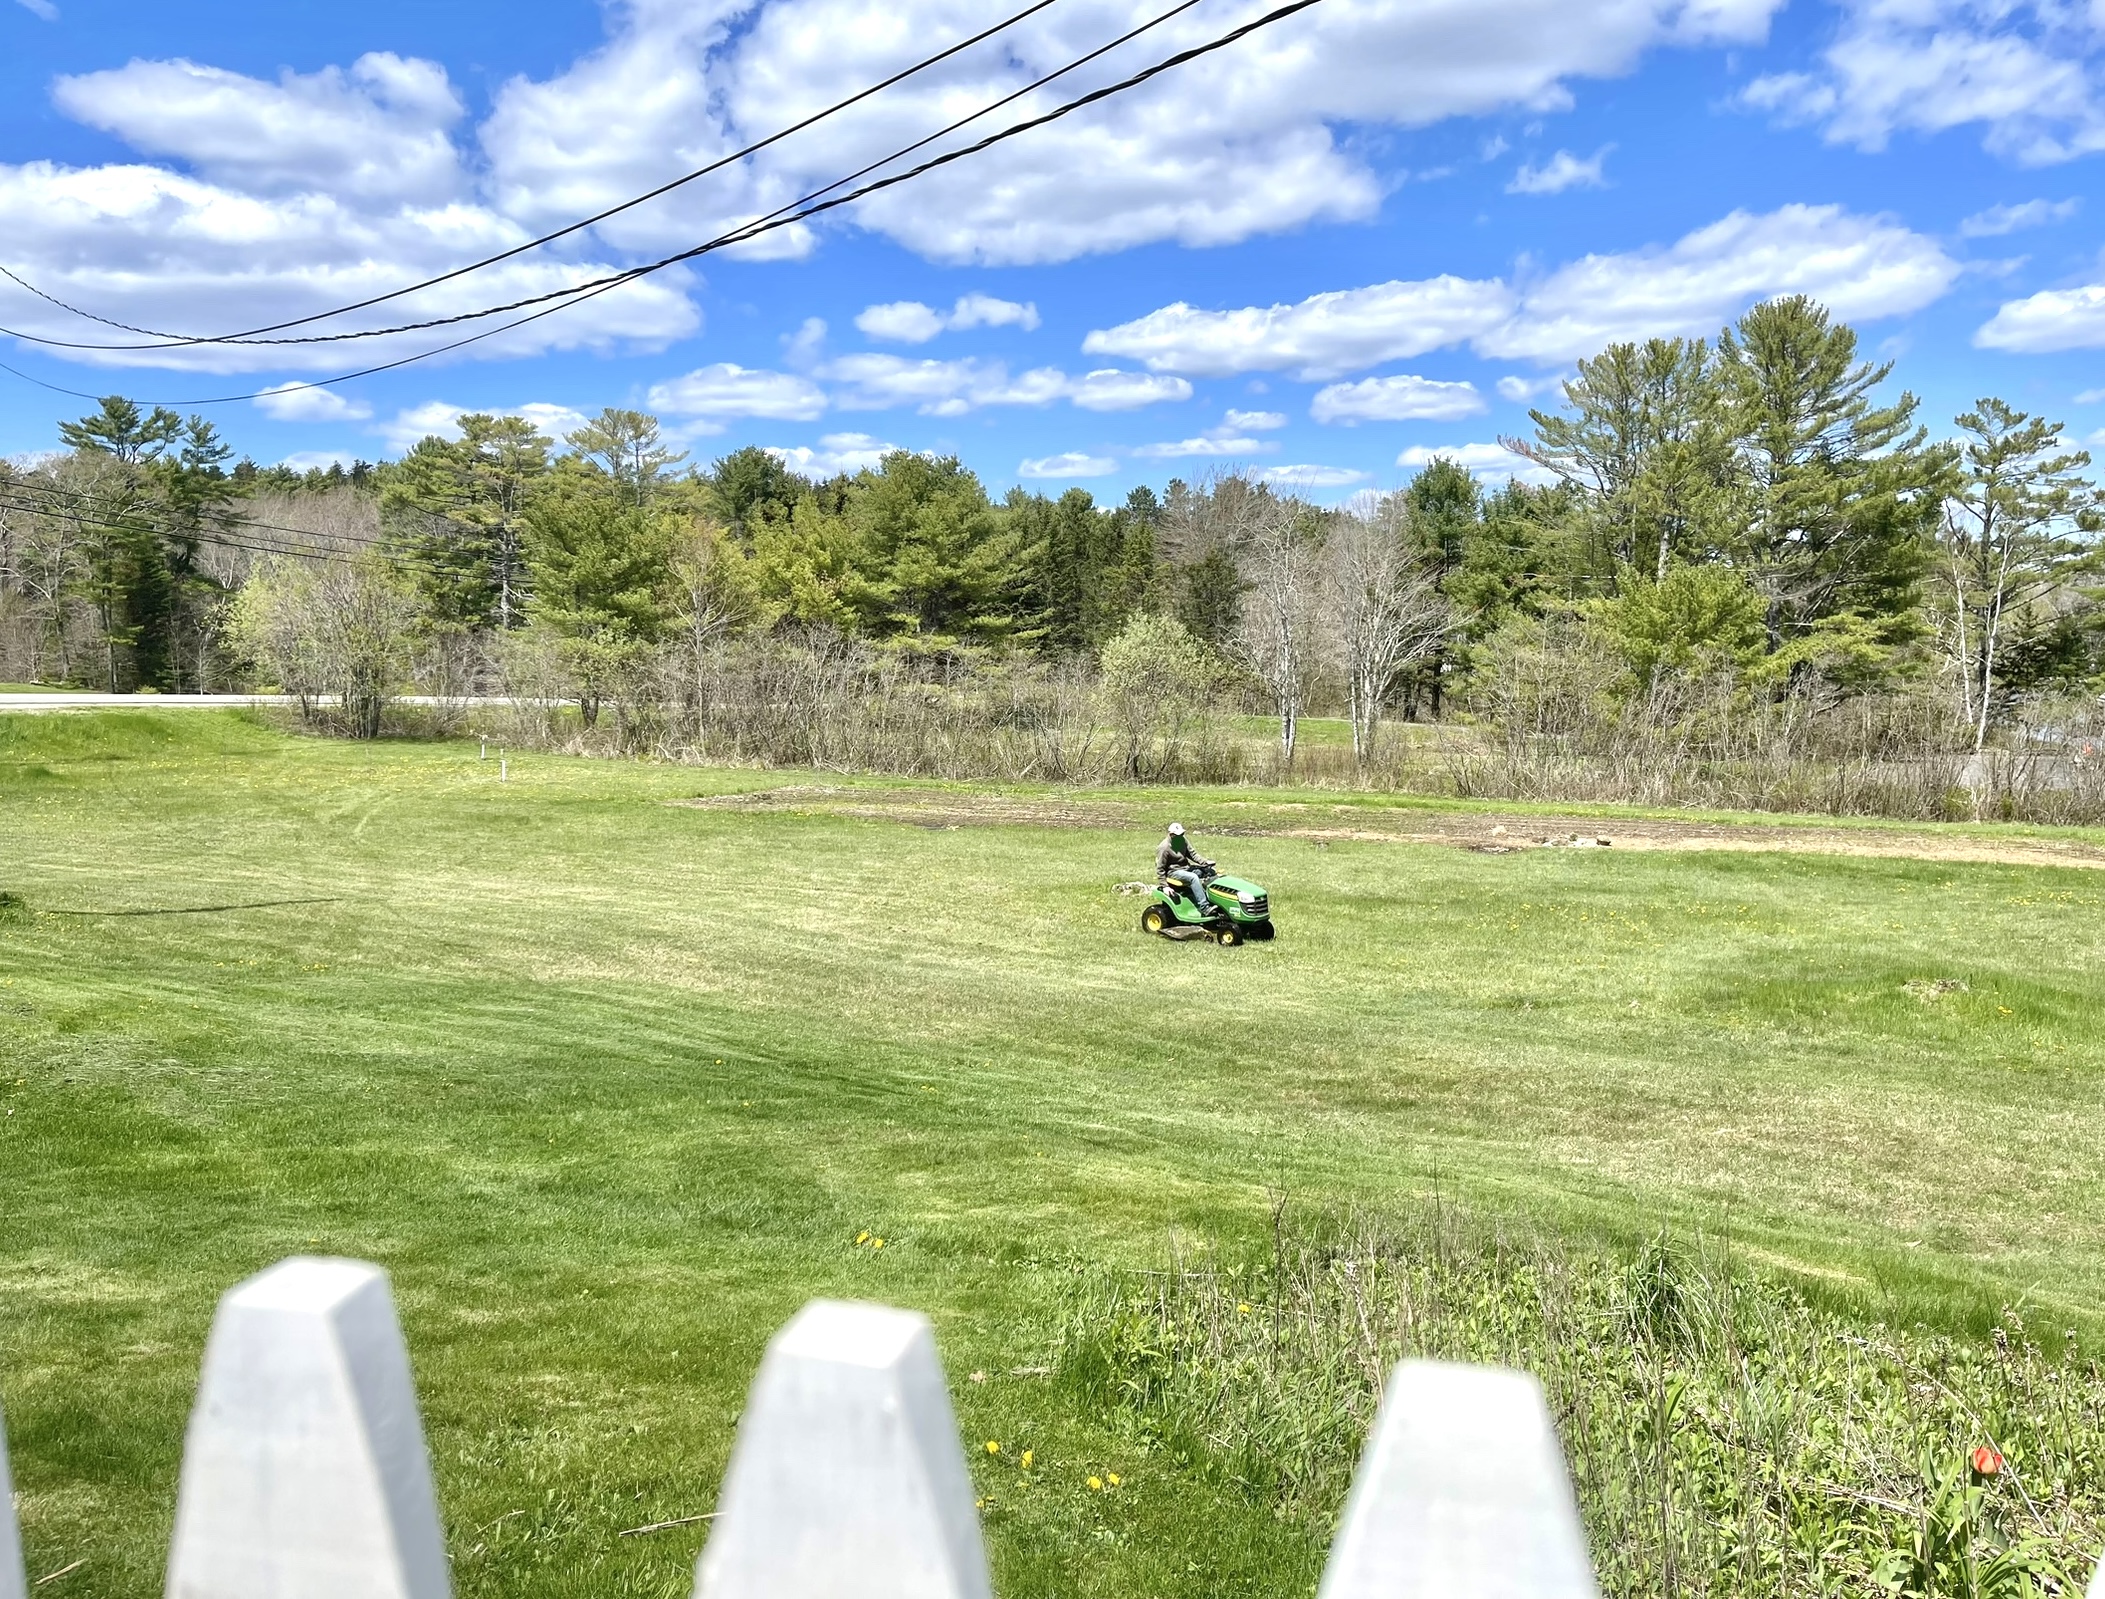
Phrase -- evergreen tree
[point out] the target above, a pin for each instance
(456, 510)
(1842, 492)
(751, 484)
(601, 574)
(936, 566)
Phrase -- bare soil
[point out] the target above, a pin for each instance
(1484, 832)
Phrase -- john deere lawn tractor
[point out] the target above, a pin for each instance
(1235, 909)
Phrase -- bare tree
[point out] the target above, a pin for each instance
(2016, 530)
(1383, 607)
(1277, 544)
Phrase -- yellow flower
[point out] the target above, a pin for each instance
(1096, 1485)
(877, 1243)
(1112, 1478)
(1028, 1457)
(1242, 1310)
(993, 1446)
(862, 1238)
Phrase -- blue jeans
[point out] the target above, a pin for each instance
(1194, 885)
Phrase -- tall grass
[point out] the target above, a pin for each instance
(1725, 1435)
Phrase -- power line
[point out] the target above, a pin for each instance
(591, 287)
(547, 238)
(55, 506)
(785, 216)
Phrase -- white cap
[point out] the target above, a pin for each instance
(1177, 828)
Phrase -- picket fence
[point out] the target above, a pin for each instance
(305, 1474)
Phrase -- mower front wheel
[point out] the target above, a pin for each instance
(1258, 932)
(1154, 919)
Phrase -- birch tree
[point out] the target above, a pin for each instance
(2014, 533)
(1277, 545)
(1384, 607)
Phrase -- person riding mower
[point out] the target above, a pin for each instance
(1191, 892)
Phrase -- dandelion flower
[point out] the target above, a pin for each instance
(862, 1237)
(993, 1446)
(1028, 1457)
(1242, 1309)
(1096, 1485)
(1112, 1478)
(877, 1243)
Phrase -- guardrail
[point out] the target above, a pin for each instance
(305, 1474)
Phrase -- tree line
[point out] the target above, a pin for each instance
(1745, 522)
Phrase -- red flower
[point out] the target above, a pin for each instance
(1986, 1462)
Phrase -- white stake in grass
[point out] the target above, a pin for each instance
(1461, 1494)
(304, 1473)
(847, 1480)
(13, 1583)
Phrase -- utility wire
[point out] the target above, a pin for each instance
(584, 290)
(55, 507)
(547, 238)
(779, 219)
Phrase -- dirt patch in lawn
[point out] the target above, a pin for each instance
(1483, 832)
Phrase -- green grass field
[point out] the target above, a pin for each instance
(611, 1086)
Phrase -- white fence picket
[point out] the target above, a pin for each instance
(13, 1581)
(305, 1472)
(847, 1480)
(1462, 1493)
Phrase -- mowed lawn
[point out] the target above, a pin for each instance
(611, 1085)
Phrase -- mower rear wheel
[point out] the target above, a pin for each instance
(1154, 919)
(1229, 936)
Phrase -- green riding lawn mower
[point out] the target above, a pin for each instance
(1235, 910)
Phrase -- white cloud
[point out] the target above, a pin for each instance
(1215, 443)
(901, 322)
(1072, 464)
(380, 129)
(1861, 267)
(432, 419)
(1399, 398)
(2021, 69)
(911, 322)
(1108, 389)
(441, 419)
(1239, 143)
(1998, 220)
(952, 388)
(1493, 461)
(312, 460)
(1562, 171)
(1520, 390)
(1311, 477)
(836, 453)
(1257, 421)
(148, 246)
(2055, 319)
(1323, 336)
(984, 311)
(803, 347)
(290, 403)
(557, 421)
(727, 390)
(40, 8)
(2090, 397)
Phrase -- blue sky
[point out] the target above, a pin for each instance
(1379, 230)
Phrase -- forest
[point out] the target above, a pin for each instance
(1749, 572)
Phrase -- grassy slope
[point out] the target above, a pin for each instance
(611, 1085)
